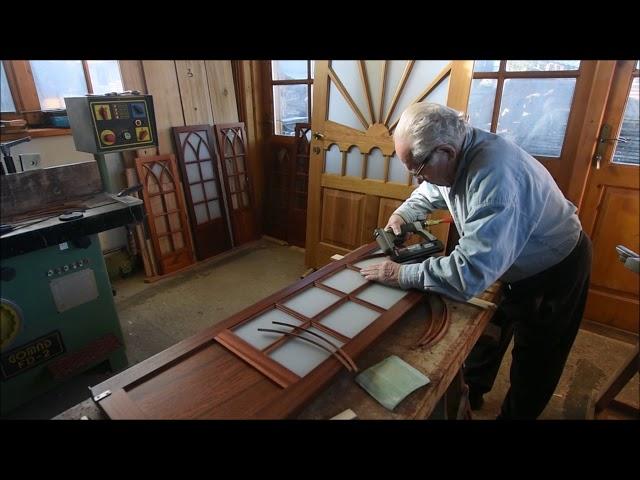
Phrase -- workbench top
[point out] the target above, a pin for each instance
(440, 362)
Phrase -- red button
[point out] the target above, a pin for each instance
(110, 138)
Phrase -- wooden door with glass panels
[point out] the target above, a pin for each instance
(232, 145)
(611, 208)
(355, 178)
(198, 161)
(269, 360)
(165, 209)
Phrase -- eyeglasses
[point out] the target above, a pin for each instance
(422, 164)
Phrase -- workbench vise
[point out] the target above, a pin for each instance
(393, 245)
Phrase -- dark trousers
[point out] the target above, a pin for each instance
(542, 314)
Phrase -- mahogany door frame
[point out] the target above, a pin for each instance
(113, 398)
(224, 243)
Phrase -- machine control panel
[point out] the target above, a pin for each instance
(75, 265)
(112, 123)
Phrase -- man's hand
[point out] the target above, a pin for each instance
(394, 223)
(386, 272)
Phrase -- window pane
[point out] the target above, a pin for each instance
(534, 113)
(483, 94)
(486, 65)
(105, 76)
(629, 152)
(289, 69)
(5, 93)
(289, 107)
(56, 79)
(541, 65)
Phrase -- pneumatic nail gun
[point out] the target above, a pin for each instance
(393, 245)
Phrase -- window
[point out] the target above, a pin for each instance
(628, 148)
(292, 87)
(528, 101)
(31, 88)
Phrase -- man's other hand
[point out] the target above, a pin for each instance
(394, 224)
(386, 272)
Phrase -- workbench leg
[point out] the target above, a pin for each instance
(454, 404)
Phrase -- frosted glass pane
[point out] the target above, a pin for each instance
(300, 356)
(375, 165)
(374, 76)
(197, 195)
(394, 74)
(240, 164)
(250, 334)
(203, 152)
(210, 190)
(397, 171)
(5, 93)
(440, 93)
(422, 74)
(288, 69)
(238, 145)
(243, 182)
(56, 79)
(340, 111)
(245, 199)
(534, 113)
(346, 280)
(214, 209)
(354, 162)
(629, 152)
(230, 165)
(333, 160)
(193, 174)
(381, 295)
(311, 302)
(350, 319)
(486, 65)
(348, 72)
(233, 184)
(542, 65)
(105, 76)
(201, 213)
(481, 99)
(370, 261)
(189, 154)
(207, 169)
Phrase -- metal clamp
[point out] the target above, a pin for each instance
(104, 394)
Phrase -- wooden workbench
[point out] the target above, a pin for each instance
(442, 363)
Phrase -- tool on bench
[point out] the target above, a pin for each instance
(393, 245)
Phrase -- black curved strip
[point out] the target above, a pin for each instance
(340, 359)
(346, 357)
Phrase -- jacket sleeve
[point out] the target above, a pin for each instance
(493, 236)
(423, 200)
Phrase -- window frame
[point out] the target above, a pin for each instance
(502, 74)
(26, 101)
(308, 82)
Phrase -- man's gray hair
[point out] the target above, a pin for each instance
(425, 125)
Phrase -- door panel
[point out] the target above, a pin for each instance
(205, 199)
(165, 209)
(237, 178)
(353, 165)
(611, 207)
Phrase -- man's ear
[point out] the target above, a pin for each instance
(451, 151)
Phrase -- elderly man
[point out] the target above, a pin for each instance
(515, 225)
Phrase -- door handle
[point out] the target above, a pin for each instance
(318, 136)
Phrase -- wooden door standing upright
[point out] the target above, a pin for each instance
(232, 145)
(355, 177)
(611, 205)
(296, 233)
(165, 209)
(198, 160)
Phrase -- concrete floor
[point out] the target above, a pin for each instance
(156, 316)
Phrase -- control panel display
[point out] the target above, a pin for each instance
(111, 123)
